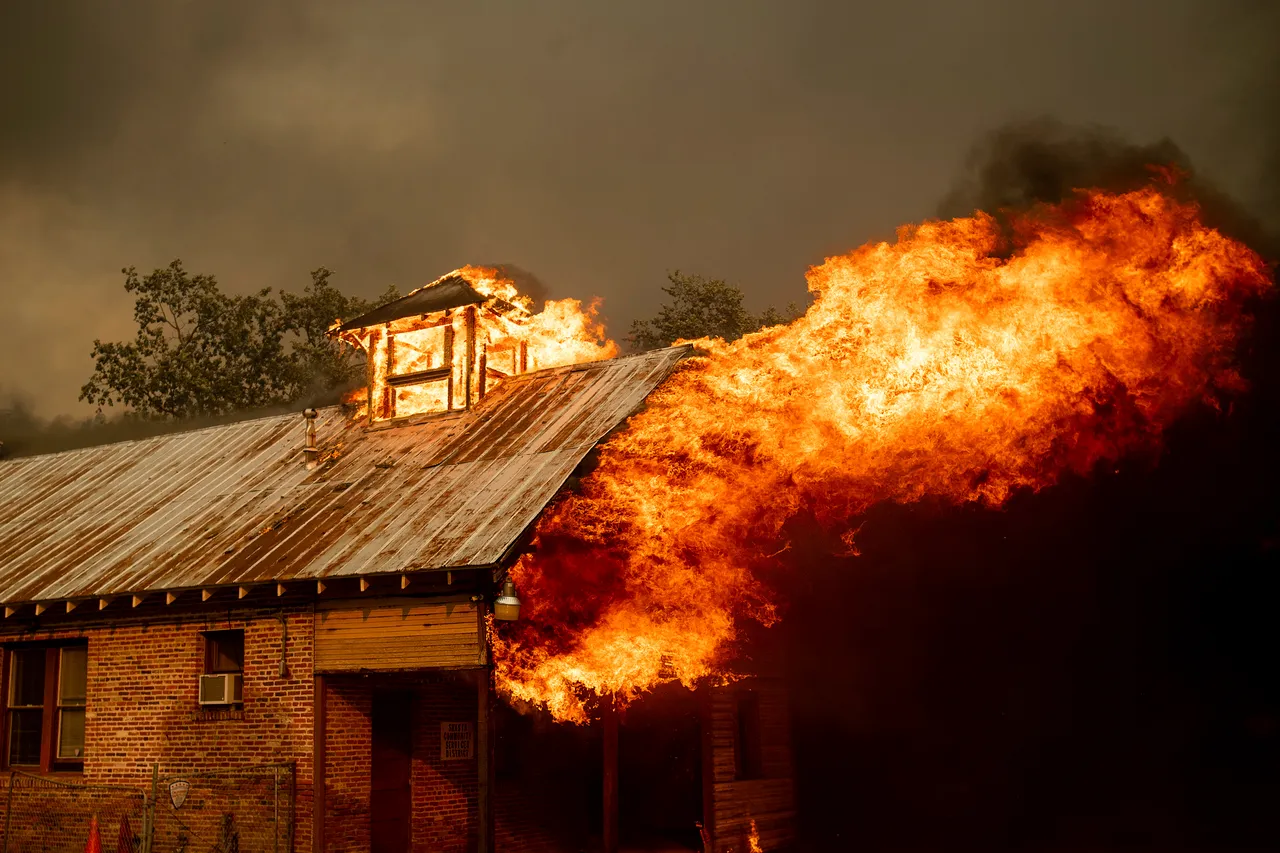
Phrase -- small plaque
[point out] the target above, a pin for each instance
(178, 792)
(456, 741)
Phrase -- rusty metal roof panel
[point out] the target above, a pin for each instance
(235, 504)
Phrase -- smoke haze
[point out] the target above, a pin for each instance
(596, 146)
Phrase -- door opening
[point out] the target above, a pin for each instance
(660, 782)
(391, 794)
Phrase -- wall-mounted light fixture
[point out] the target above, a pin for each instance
(506, 607)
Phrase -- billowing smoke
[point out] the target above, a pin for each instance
(1046, 161)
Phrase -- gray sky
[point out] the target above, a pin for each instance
(598, 145)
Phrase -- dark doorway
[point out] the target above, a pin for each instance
(391, 800)
(660, 772)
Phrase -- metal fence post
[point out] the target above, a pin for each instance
(149, 812)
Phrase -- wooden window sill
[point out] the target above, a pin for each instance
(63, 773)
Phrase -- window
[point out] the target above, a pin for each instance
(72, 683)
(747, 753)
(45, 699)
(223, 652)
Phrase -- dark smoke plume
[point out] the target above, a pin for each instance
(1045, 161)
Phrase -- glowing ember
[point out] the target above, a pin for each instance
(943, 364)
(449, 359)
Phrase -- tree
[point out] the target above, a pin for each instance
(320, 363)
(199, 351)
(702, 307)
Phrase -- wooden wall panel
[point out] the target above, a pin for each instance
(387, 635)
(768, 799)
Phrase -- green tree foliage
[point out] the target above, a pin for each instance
(702, 307)
(201, 352)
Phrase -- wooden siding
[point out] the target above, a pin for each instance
(767, 799)
(397, 634)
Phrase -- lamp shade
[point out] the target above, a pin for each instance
(506, 607)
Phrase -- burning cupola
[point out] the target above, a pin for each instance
(444, 346)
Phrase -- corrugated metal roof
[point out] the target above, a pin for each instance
(235, 504)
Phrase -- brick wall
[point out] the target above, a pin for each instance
(348, 709)
(142, 709)
(142, 704)
(444, 792)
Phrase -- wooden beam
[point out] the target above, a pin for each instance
(448, 578)
(320, 587)
(137, 599)
(244, 590)
(9, 611)
(609, 721)
(318, 759)
(484, 762)
(279, 590)
(706, 704)
(170, 597)
(206, 594)
(404, 581)
(364, 584)
(371, 375)
(470, 362)
(72, 605)
(103, 602)
(449, 360)
(41, 608)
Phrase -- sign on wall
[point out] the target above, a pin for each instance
(456, 741)
(178, 792)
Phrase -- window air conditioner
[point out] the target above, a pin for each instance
(221, 689)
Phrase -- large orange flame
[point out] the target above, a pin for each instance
(958, 362)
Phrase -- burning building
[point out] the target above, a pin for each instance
(280, 629)
(330, 595)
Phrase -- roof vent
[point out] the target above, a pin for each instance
(311, 452)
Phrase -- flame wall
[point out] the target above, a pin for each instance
(958, 362)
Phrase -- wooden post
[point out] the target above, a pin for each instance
(523, 364)
(449, 360)
(371, 372)
(484, 761)
(609, 721)
(706, 705)
(318, 767)
(389, 393)
(469, 367)
(484, 371)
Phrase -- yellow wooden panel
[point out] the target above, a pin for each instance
(384, 635)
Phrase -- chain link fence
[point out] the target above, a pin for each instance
(52, 816)
(234, 810)
(239, 810)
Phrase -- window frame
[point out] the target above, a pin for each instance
(62, 705)
(52, 707)
(442, 375)
(210, 640)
